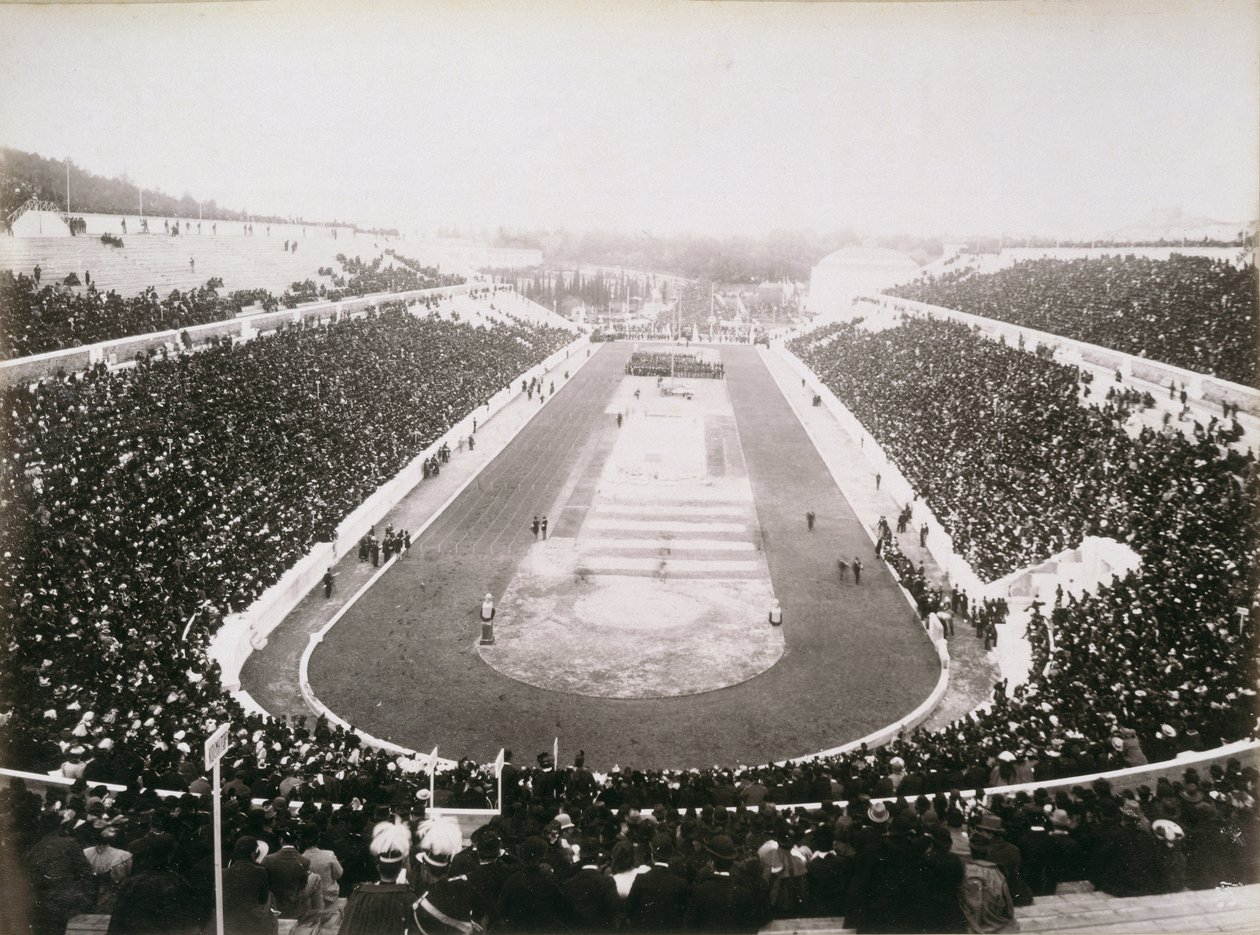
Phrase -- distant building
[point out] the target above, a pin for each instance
(854, 271)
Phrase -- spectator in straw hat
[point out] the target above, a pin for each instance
(1171, 865)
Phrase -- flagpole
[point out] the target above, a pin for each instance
(498, 774)
(432, 775)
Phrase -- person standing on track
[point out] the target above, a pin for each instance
(843, 568)
(544, 527)
(809, 520)
(857, 570)
(328, 583)
(535, 526)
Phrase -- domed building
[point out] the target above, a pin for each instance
(853, 271)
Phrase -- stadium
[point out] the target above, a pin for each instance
(473, 565)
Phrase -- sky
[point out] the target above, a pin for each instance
(933, 119)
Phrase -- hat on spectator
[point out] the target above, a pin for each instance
(941, 836)
(1190, 794)
(1006, 756)
(991, 824)
(532, 850)
(564, 821)
(488, 845)
(722, 847)
(877, 813)
(1130, 809)
(1170, 831)
(1059, 818)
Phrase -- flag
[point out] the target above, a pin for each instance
(432, 772)
(555, 755)
(498, 763)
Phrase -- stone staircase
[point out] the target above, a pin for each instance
(1230, 909)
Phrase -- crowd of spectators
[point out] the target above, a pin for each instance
(1000, 447)
(665, 364)
(1151, 645)
(143, 503)
(40, 317)
(150, 501)
(987, 435)
(569, 853)
(403, 275)
(1194, 312)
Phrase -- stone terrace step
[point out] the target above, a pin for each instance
(1233, 909)
(99, 924)
(87, 925)
(1223, 910)
(818, 926)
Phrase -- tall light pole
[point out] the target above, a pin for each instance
(67, 185)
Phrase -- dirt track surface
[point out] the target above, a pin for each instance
(403, 662)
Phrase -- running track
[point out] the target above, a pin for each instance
(402, 663)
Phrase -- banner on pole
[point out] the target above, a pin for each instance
(216, 745)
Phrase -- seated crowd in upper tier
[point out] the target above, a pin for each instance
(1190, 311)
(40, 316)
